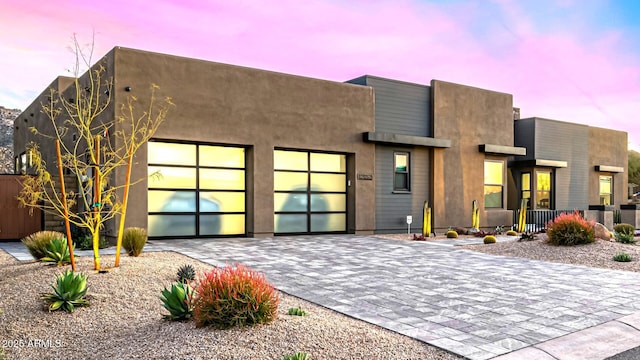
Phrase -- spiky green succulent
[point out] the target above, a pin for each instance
(178, 301)
(186, 273)
(68, 292)
(296, 356)
(57, 252)
(297, 311)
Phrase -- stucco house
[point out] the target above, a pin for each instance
(256, 153)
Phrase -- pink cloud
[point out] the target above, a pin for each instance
(552, 69)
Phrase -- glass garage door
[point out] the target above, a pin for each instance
(195, 190)
(310, 192)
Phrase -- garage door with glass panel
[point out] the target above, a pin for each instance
(310, 192)
(195, 190)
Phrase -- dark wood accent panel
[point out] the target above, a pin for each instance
(15, 222)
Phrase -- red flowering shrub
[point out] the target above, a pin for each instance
(234, 296)
(570, 229)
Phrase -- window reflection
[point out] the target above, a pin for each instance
(196, 199)
(543, 190)
(221, 156)
(606, 190)
(171, 153)
(172, 177)
(290, 160)
(493, 183)
(309, 198)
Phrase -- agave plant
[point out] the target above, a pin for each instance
(297, 356)
(297, 311)
(178, 301)
(186, 273)
(57, 252)
(69, 292)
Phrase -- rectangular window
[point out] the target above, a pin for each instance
(606, 190)
(526, 188)
(23, 163)
(543, 190)
(493, 183)
(401, 171)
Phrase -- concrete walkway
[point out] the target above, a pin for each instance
(474, 305)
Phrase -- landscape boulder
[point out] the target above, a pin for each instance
(602, 233)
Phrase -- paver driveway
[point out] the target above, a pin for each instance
(475, 305)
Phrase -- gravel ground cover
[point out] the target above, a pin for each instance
(597, 254)
(125, 321)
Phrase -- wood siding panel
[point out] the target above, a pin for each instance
(393, 208)
(402, 108)
(566, 142)
(15, 222)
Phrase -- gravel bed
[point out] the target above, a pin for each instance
(597, 254)
(125, 321)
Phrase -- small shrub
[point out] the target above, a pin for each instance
(234, 296)
(489, 239)
(37, 242)
(624, 228)
(133, 240)
(570, 229)
(85, 242)
(178, 301)
(528, 236)
(419, 237)
(58, 252)
(69, 292)
(625, 238)
(622, 257)
(452, 234)
(482, 233)
(297, 311)
(512, 233)
(186, 273)
(296, 356)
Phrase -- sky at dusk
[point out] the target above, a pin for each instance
(569, 60)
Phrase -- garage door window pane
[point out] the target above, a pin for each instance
(328, 162)
(290, 160)
(328, 202)
(328, 222)
(220, 201)
(223, 224)
(290, 181)
(289, 223)
(221, 156)
(171, 154)
(290, 201)
(172, 225)
(171, 201)
(328, 182)
(172, 178)
(221, 179)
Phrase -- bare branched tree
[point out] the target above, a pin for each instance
(94, 143)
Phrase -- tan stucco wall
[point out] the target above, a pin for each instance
(469, 117)
(226, 104)
(608, 147)
(35, 116)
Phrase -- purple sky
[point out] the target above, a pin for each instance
(567, 60)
